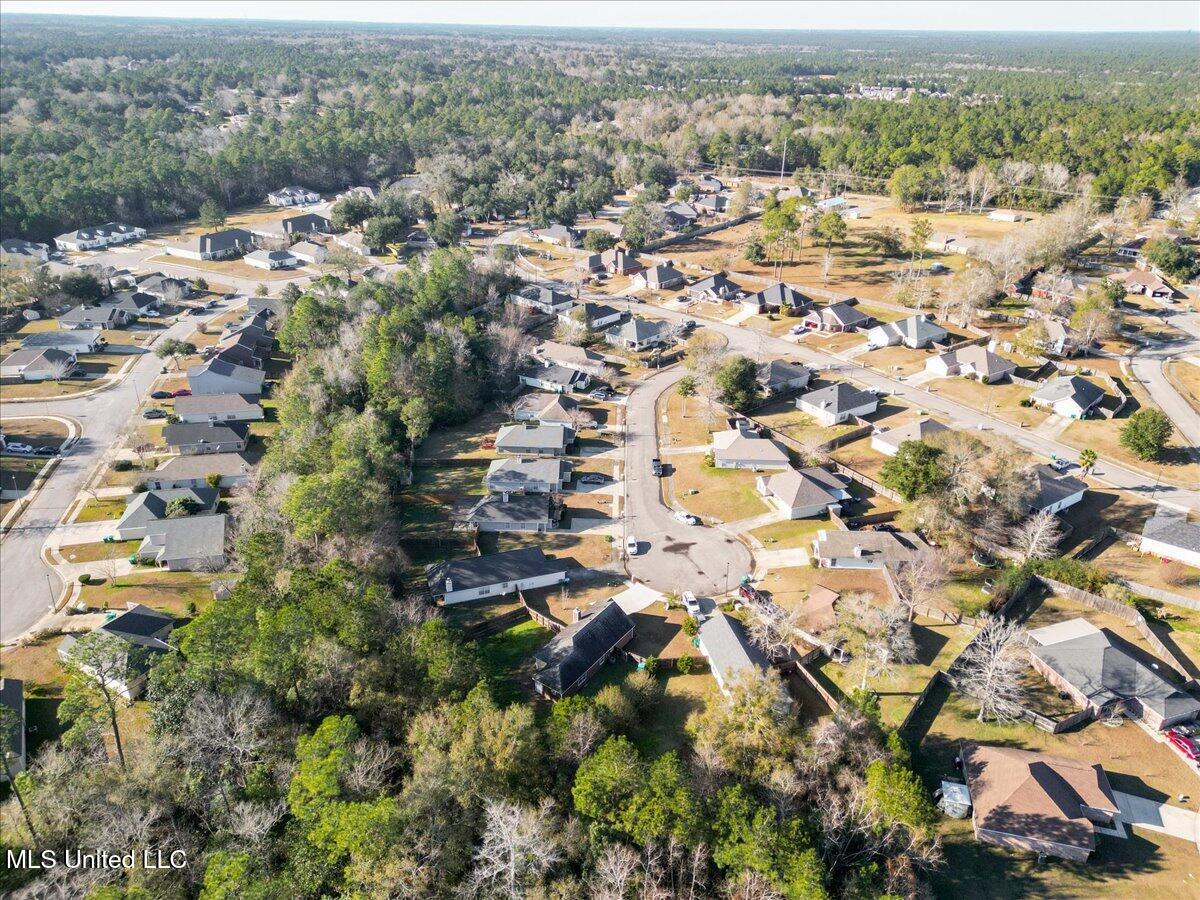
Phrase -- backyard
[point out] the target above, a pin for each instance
(662, 727)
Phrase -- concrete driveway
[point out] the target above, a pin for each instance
(1142, 812)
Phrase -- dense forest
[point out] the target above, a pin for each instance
(144, 121)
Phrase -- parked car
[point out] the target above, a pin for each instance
(691, 604)
(152, 314)
(938, 268)
(46, 451)
(631, 545)
(1058, 464)
(1184, 744)
(600, 394)
(750, 594)
(797, 329)
(488, 444)
(656, 466)
(161, 395)
(18, 448)
(182, 392)
(197, 311)
(591, 478)
(154, 414)
(686, 518)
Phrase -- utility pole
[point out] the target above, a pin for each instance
(783, 159)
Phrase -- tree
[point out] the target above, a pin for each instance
(737, 382)
(910, 186)
(174, 349)
(597, 240)
(417, 418)
(199, 284)
(447, 228)
(11, 723)
(1038, 536)
(914, 470)
(739, 204)
(607, 780)
(885, 240)
(180, 507)
(1146, 433)
(1176, 261)
(686, 388)
(347, 262)
(519, 845)
(99, 663)
(1087, 459)
(755, 251)
(918, 581)
(991, 669)
(81, 285)
(919, 232)
(644, 221)
(212, 215)
(831, 228)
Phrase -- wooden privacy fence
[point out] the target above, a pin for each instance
(683, 238)
(866, 481)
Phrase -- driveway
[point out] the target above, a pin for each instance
(673, 556)
(1141, 812)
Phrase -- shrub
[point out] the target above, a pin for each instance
(191, 607)
(690, 626)
(1026, 402)
(122, 465)
(139, 488)
(85, 578)
(685, 664)
(1175, 573)
(651, 665)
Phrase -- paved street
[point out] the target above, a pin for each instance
(1148, 367)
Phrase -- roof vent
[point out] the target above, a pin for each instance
(449, 585)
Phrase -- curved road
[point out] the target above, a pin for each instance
(1147, 365)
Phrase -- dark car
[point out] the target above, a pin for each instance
(46, 451)
(591, 478)
(750, 594)
(182, 392)
(153, 414)
(161, 395)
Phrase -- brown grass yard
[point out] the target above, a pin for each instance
(660, 634)
(1101, 507)
(592, 504)
(100, 510)
(860, 456)
(18, 472)
(98, 551)
(1145, 568)
(774, 325)
(37, 664)
(464, 441)
(724, 494)
(1185, 376)
(791, 533)
(36, 432)
(581, 550)
(234, 268)
(1000, 400)
(167, 592)
(690, 421)
(898, 360)
(1104, 435)
(44, 390)
(836, 342)
(784, 417)
(559, 602)
(789, 587)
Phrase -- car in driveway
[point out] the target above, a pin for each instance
(18, 448)
(600, 394)
(1058, 464)
(750, 594)
(154, 414)
(161, 395)
(591, 478)
(631, 545)
(1184, 744)
(691, 604)
(182, 392)
(686, 518)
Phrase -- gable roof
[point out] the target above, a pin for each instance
(1173, 530)
(915, 328)
(776, 372)
(640, 330)
(913, 431)
(150, 505)
(575, 649)
(780, 294)
(1050, 487)
(806, 487)
(496, 568)
(192, 537)
(567, 354)
(38, 359)
(539, 293)
(100, 316)
(716, 284)
(842, 313)
(553, 408)
(594, 311)
(555, 374)
(727, 649)
(886, 546)
(82, 339)
(736, 445)
(663, 273)
(979, 358)
(209, 404)
(1070, 387)
(494, 508)
(270, 255)
(547, 437)
(514, 470)
(199, 465)
(140, 625)
(227, 369)
(838, 397)
(185, 433)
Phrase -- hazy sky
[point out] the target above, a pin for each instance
(973, 15)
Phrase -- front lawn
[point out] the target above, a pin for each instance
(690, 420)
(35, 432)
(791, 533)
(100, 510)
(725, 494)
(1000, 400)
(178, 594)
(1104, 436)
(99, 550)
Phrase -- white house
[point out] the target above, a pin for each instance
(740, 448)
(543, 299)
(915, 332)
(293, 195)
(106, 235)
(309, 252)
(1054, 491)
(144, 632)
(639, 334)
(661, 277)
(972, 361)
(1007, 215)
(801, 493)
(494, 575)
(888, 442)
(594, 315)
(270, 259)
(1172, 537)
(190, 544)
(214, 245)
(1070, 396)
(837, 402)
(866, 549)
(727, 650)
(830, 203)
(38, 364)
(218, 376)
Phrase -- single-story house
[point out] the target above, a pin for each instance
(590, 264)
(12, 698)
(239, 352)
(263, 309)
(25, 249)
(1105, 675)
(1143, 281)
(307, 251)
(38, 364)
(556, 408)
(1070, 396)
(102, 317)
(145, 632)
(574, 654)
(543, 299)
(419, 239)
(888, 442)
(78, 342)
(364, 191)
(531, 476)
(776, 297)
(1057, 286)
(149, 506)
(830, 203)
(802, 493)
(730, 654)
(214, 245)
(190, 544)
(306, 223)
(740, 448)
(164, 287)
(218, 408)
(680, 215)
(105, 235)
(293, 195)
(661, 277)
(355, 242)
(709, 184)
(531, 513)
(1007, 215)
(556, 378)
(716, 288)
(494, 575)
(1054, 491)
(973, 361)
(712, 205)
(942, 242)
(559, 234)
(228, 469)
(1031, 801)
(189, 438)
(132, 303)
(639, 334)
(1172, 537)
(866, 549)
(534, 440)
(915, 332)
(837, 402)
(593, 315)
(573, 357)
(270, 259)
(836, 317)
(779, 376)
(218, 376)
(621, 262)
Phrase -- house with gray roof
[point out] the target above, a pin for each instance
(593, 315)
(1106, 675)
(38, 364)
(12, 698)
(270, 259)
(661, 277)
(133, 303)
(712, 205)
(639, 334)
(95, 317)
(355, 242)
(306, 223)
(782, 376)
(164, 287)
(25, 250)
(218, 408)
(973, 361)
(308, 252)
(1054, 491)
(559, 235)
(866, 549)
(680, 215)
(150, 506)
(543, 299)
(577, 652)
(729, 653)
(213, 245)
(801, 493)
(1171, 536)
(190, 438)
(742, 448)
(888, 441)
(580, 358)
(190, 544)
(144, 632)
(494, 575)
(837, 402)
(530, 513)
(555, 378)
(220, 376)
(534, 440)
(709, 184)
(836, 318)
(776, 297)
(76, 341)
(716, 288)
(106, 235)
(227, 469)
(539, 475)
(1070, 396)
(548, 410)
(915, 332)
(293, 195)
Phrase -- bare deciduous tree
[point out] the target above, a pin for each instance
(990, 670)
(919, 580)
(1038, 536)
(519, 844)
(616, 873)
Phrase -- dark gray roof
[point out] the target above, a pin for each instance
(219, 241)
(207, 404)
(188, 538)
(779, 294)
(140, 625)
(37, 359)
(559, 231)
(1050, 487)
(184, 433)
(83, 339)
(497, 568)
(150, 505)
(594, 311)
(1083, 392)
(199, 465)
(158, 284)
(100, 316)
(1176, 531)
(305, 222)
(776, 372)
(575, 649)
(547, 296)
(843, 314)
(134, 302)
(840, 396)
(547, 437)
(554, 374)
(640, 330)
(224, 367)
(717, 284)
(528, 471)
(516, 509)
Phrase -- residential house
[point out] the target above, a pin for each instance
(164, 287)
(270, 259)
(38, 364)
(1106, 676)
(741, 448)
(355, 242)
(836, 318)
(1057, 286)
(134, 304)
(529, 476)
(530, 513)
(243, 348)
(802, 493)
(494, 575)
(1007, 215)
(543, 299)
(715, 288)
(149, 506)
(574, 655)
(363, 191)
(835, 403)
(730, 654)
(106, 235)
(88, 340)
(709, 184)
(103, 317)
(866, 549)
(1054, 491)
(1030, 801)
(217, 376)
(262, 309)
(639, 334)
(594, 315)
(559, 235)
(190, 544)
(777, 297)
(973, 361)
(1070, 396)
(144, 632)
(25, 250)
(680, 216)
(590, 264)
(293, 195)
(661, 277)
(888, 442)
(621, 262)
(1060, 341)
(915, 332)
(218, 408)
(574, 357)
(308, 252)
(782, 376)
(225, 469)
(534, 440)
(941, 242)
(419, 239)
(189, 438)
(214, 245)
(830, 203)
(12, 698)
(553, 377)
(306, 223)
(712, 205)
(1172, 536)
(1147, 283)
(1133, 249)
(548, 410)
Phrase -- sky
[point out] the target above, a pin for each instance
(923, 15)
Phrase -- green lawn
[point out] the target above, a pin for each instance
(173, 593)
(507, 658)
(450, 479)
(99, 510)
(725, 494)
(791, 533)
(98, 551)
(662, 726)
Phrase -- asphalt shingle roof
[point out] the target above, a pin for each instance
(578, 647)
